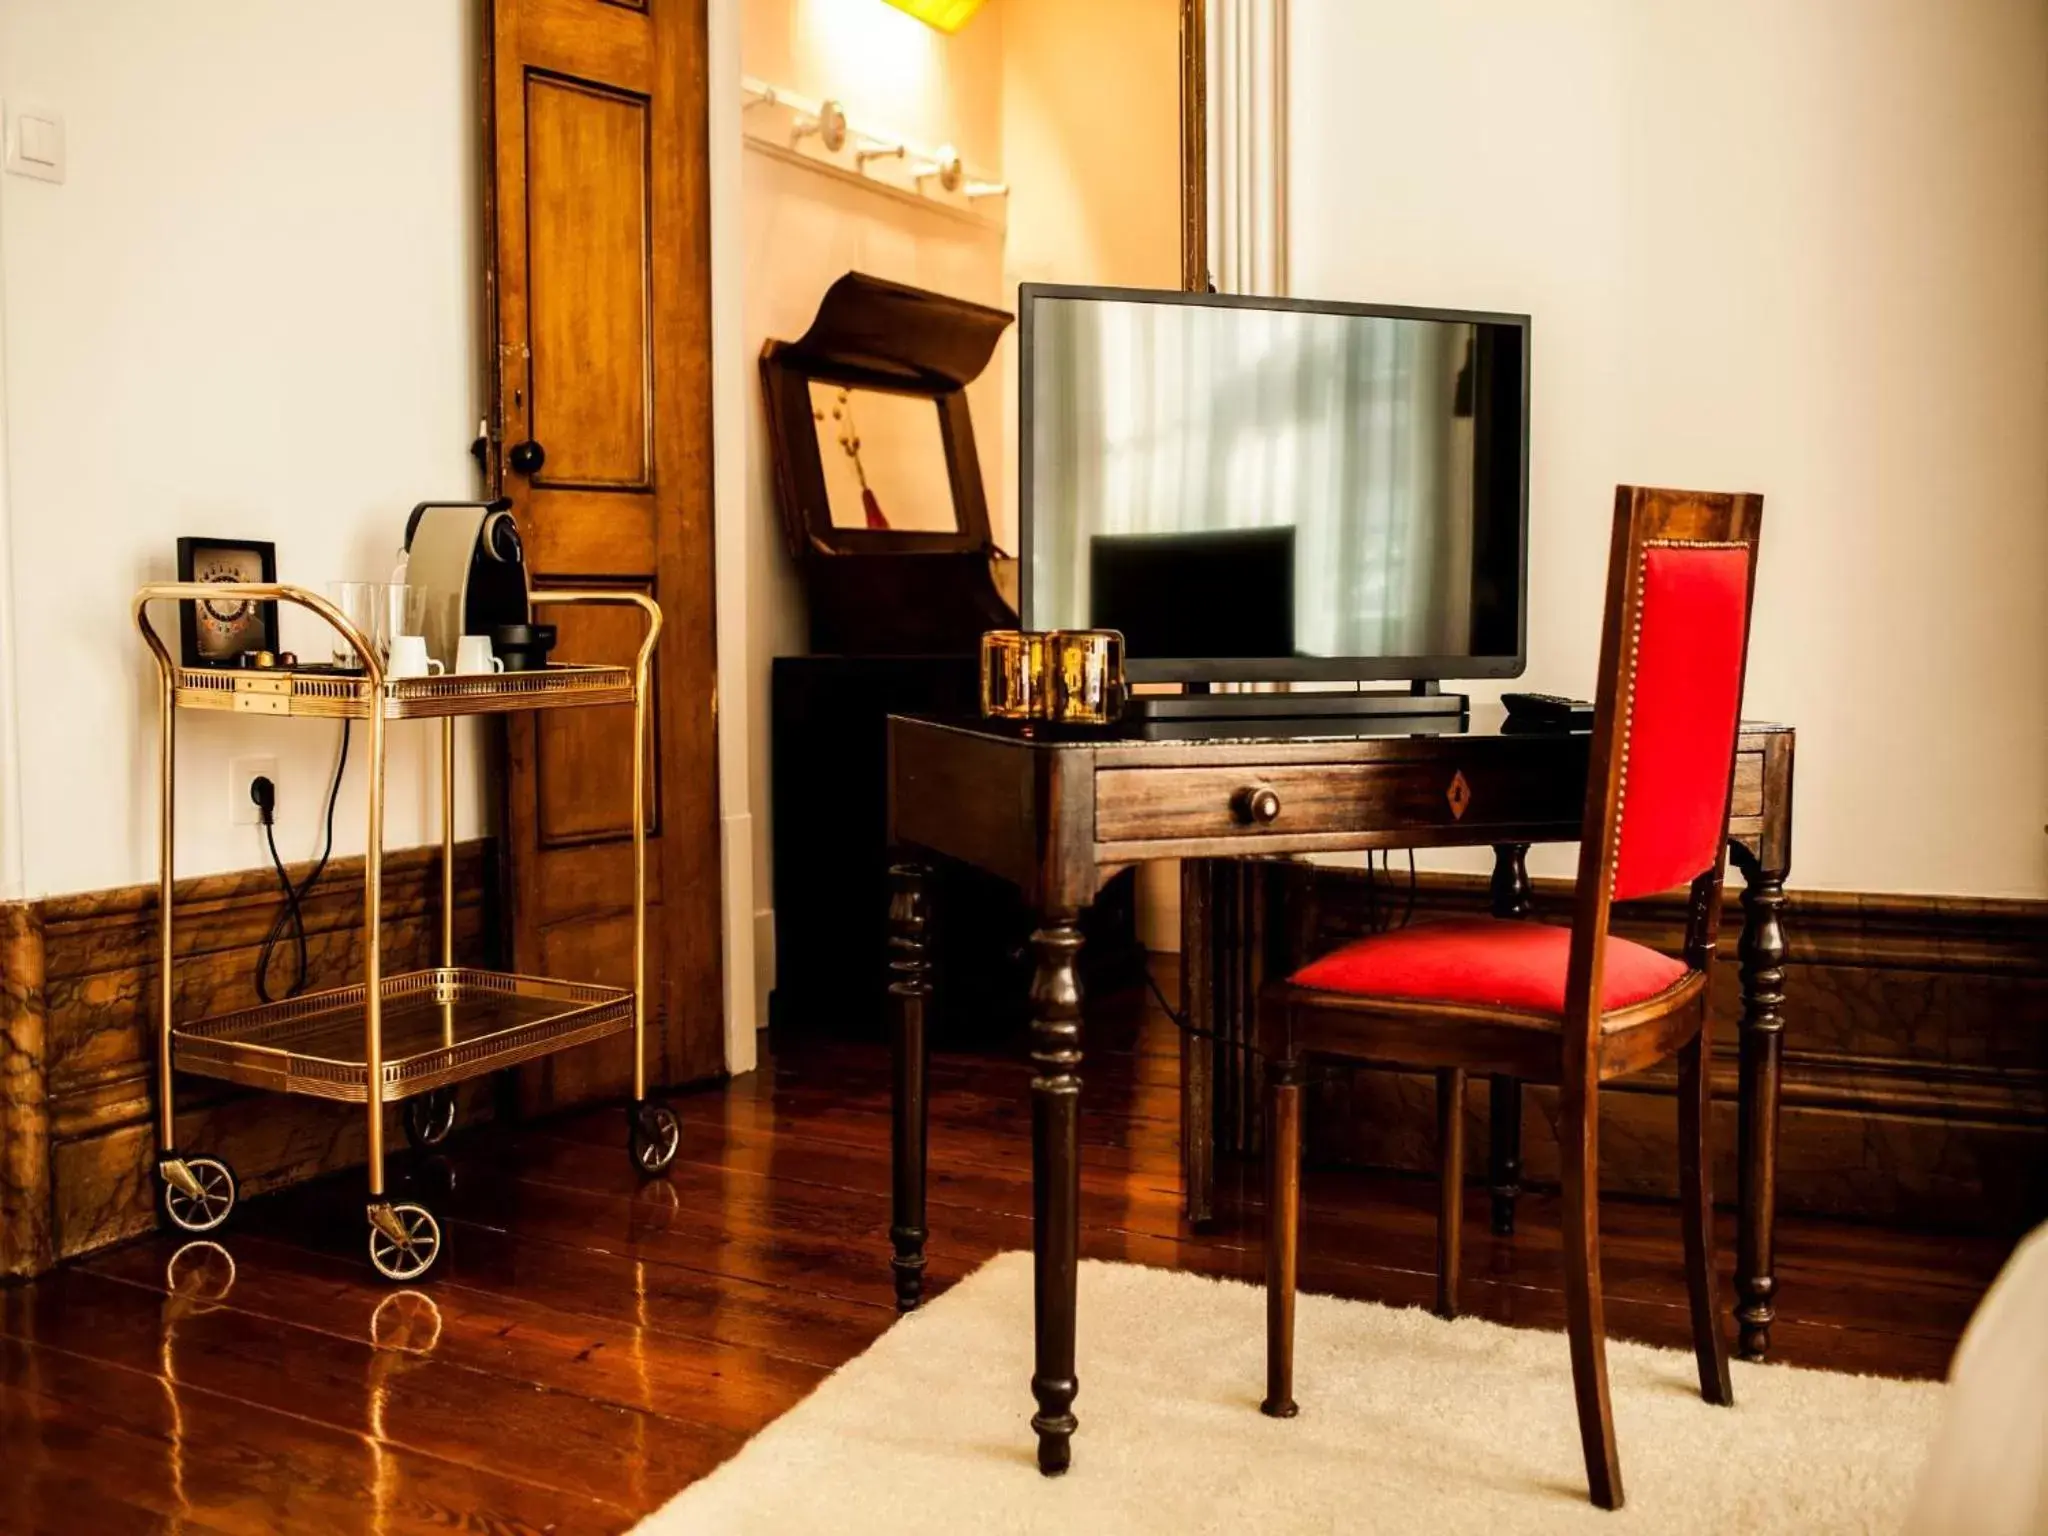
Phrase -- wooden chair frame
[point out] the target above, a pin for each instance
(1578, 1053)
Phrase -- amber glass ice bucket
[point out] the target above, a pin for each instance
(1053, 677)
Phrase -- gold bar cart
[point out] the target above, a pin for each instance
(409, 1037)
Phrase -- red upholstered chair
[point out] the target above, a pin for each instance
(1569, 1006)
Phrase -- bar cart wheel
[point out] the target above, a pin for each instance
(405, 1240)
(429, 1118)
(196, 1193)
(655, 1135)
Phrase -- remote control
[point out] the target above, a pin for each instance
(1546, 709)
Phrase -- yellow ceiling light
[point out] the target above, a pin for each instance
(946, 15)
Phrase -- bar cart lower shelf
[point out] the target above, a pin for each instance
(409, 1038)
(440, 1028)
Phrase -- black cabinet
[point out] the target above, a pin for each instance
(830, 829)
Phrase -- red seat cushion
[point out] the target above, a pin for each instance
(1485, 962)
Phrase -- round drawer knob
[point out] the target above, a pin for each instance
(1258, 805)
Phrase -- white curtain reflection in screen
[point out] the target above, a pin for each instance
(1177, 418)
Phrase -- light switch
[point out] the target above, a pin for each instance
(35, 143)
(42, 141)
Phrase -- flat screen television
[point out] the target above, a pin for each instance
(1262, 489)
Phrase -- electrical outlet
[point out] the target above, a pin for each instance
(242, 772)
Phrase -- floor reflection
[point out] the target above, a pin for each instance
(654, 1203)
(198, 1279)
(405, 1329)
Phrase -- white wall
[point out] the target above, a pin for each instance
(800, 230)
(251, 309)
(895, 76)
(11, 881)
(1795, 248)
(1091, 141)
(1091, 148)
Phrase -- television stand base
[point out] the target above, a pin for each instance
(1420, 701)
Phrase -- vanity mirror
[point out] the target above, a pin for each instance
(884, 459)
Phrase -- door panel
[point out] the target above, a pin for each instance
(587, 530)
(594, 40)
(583, 779)
(587, 282)
(603, 953)
(598, 217)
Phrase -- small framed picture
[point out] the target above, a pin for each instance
(217, 633)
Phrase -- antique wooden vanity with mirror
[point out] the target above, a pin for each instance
(876, 473)
(885, 515)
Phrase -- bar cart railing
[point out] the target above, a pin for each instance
(410, 1037)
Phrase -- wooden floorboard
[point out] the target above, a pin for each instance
(592, 1344)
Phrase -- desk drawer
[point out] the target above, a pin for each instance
(1147, 804)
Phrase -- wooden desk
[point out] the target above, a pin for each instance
(1058, 818)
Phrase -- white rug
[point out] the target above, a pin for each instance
(1408, 1424)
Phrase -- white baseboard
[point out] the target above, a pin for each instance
(742, 988)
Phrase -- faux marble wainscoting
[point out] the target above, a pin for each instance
(78, 989)
(1916, 1059)
(24, 1094)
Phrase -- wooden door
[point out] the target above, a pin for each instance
(598, 217)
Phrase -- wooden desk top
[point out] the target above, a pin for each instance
(1060, 815)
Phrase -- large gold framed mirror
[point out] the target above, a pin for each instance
(1194, 145)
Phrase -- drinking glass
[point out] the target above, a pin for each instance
(405, 609)
(362, 604)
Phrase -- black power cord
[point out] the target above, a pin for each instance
(1375, 921)
(1180, 1020)
(292, 914)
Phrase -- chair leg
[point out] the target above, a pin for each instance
(1450, 1171)
(1696, 1188)
(1585, 1316)
(1283, 1232)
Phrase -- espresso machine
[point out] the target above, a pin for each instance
(467, 557)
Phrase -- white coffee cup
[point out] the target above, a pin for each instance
(408, 658)
(473, 654)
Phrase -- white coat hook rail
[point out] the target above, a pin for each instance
(790, 126)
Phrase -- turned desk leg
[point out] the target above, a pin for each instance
(1055, 1180)
(1761, 952)
(1283, 1231)
(910, 990)
(1513, 897)
(1198, 1065)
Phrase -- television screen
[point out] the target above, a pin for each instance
(1258, 489)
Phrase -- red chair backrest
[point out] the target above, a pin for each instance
(1674, 640)
(1682, 691)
